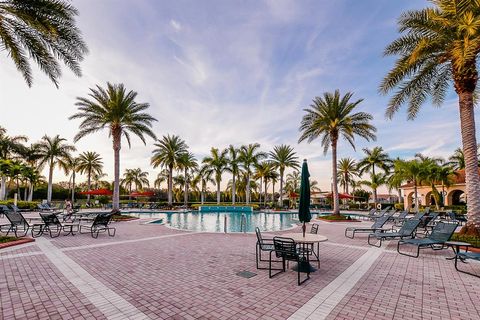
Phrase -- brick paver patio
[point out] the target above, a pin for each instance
(155, 272)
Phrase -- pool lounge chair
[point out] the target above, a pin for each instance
(406, 231)
(19, 223)
(459, 218)
(51, 221)
(400, 219)
(377, 225)
(465, 255)
(99, 224)
(441, 233)
(380, 214)
(286, 250)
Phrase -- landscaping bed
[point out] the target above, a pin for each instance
(123, 217)
(473, 240)
(13, 241)
(337, 218)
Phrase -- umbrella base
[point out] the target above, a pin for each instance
(304, 266)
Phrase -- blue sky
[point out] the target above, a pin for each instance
(232, 72)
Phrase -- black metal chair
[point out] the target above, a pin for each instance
(286, 250)
(262, 245)
(377, 225)
(19, 223)
(100, 224)
(406, 231)
(462, 256)
(441, 233)
(51, 221)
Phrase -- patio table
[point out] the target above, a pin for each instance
(309, 239)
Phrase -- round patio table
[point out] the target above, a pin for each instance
(309, 239)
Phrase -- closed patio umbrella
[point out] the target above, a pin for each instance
(304, 205)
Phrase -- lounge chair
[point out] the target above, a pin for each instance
(459, 218)
(17, 209)
(51, 221)
(377, 225)
(441, 233)
(19, 223)
(380, 214)
(400, 219)
(406, 231)
(465, 255)
(99, 224)
(286, 250)
(427, 223)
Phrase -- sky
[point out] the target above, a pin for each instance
(231, 72)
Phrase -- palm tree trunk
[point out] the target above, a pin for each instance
(25, 194)
(260, 193)
(247, 190)
(346, 183)
(265, 195)
(88, 184)
(281, 188)
(469, 141)
(336, 204)
(30, 195)
(116, 155)
(218, 190)
(73, 187)
(185, 191)
(375, 198)
(50, 181)
(416, 196)
(233, 189)
(3, 188)
(273, 193)
(170, 185)
(202, 194)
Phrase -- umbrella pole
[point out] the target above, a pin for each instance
(304, 228)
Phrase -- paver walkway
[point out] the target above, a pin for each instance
(155, 272)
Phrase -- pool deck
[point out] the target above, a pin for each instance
(149, 271)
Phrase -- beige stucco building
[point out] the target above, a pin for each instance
(453, 195)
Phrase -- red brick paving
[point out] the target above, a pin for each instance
(192, 276)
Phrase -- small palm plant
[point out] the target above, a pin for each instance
(116, 110)
(331, 117)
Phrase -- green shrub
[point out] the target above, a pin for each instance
(475, 241)
(399, 206)
(22, 204)
(4, 239)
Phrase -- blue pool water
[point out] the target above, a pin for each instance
(214, 221)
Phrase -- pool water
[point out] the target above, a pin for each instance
(214, 221)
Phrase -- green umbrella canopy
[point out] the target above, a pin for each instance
(304, 206)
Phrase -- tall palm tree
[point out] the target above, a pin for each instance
(54, 151)
(284, 156)
(331, 117)
(263, 170)
(134, 177)
(233, 168)
(91, 163)
(347, 171)
(167, 154)
(187, 162)
(216, 163)
(116, 110)
(249, 157)
(34, 178)
(45, 31)
(410, 171)
(439, 47)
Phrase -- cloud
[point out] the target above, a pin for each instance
(175, 25)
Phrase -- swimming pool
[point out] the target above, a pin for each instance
(214, 221)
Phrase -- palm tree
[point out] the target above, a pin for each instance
(263, 171)
(167, 154)
(91, 163)
(249, 157)
(161, 177)
(457, 159)
(73, 166)
(292, 183)
(116, 110)
(439, 46)
(331, 117)
(44, 31)
(54, 152)
(34, 178)
(134, 177)
(9, 148)
(376, 181)
(97, 179)
(205, 176)
(187, 162)
(233, 168)
(284, 157)
(410, 171)
(347, 171)
(216, 163)
(375, 157)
